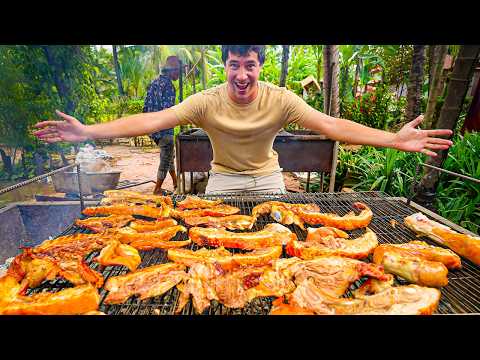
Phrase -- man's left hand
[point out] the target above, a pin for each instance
(409, 138)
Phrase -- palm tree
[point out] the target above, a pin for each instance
(414, 90)
(450, 112)
(284, 72)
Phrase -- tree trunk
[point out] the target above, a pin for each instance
(357, 76)
(7, 162)
(63, 89)
(204, 69)
(330, 73)
(39, 162)
(117, 71)
(194, 87)
(180, 82)
(456, 91)
(319, 66)
(472, 121)
(414, 90)
(62, 156)
(284, 72)
(436, 83)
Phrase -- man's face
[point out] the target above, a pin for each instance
(174, 74)
(242, 76)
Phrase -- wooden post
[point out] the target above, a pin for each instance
(180, 82)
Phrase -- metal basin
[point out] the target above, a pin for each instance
(92, 182)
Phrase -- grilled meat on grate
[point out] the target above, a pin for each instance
(194, 202)
(101, 224)
(231, 222)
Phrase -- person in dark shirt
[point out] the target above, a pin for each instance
(161, 95)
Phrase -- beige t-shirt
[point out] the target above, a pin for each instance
(242, 135)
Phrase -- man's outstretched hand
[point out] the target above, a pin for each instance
(409, 138)
(70, 129)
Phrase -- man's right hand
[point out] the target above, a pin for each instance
(70, 129)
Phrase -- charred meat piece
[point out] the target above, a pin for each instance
(415, 269)
(147, 226)
(317, 245)
(224, 258)
(101, 224)
(125, 196)
(142, 210)
(145, 283)
(400, 300)
(463, 244)
(217, 210)
(71, 301)
(153, 239)
(194, 202)
(117, 253)
(231, 222)
(349, 221)
(284, 213)
(271, 235)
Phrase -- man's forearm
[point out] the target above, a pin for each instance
(350, 131)
(134, 125)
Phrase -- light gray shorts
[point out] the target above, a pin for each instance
(222, 183)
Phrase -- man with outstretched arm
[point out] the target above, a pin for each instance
(242, 118)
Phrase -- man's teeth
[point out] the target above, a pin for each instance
(242, 87)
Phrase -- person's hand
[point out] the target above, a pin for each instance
(70, 130)
(409, 138)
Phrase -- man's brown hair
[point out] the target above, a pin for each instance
(243, 50)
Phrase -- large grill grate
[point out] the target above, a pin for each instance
(462, 295)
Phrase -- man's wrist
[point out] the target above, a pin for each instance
(392, 141)
(89, 135)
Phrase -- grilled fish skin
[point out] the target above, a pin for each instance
(271, 235)
(143, 210)
(231, 222)
(282, 212)
(101, 224)
(126, 196)
(217, 210)
(117, 253)
(153, 239)
(147, 226)
(195, 202)
(349, 221)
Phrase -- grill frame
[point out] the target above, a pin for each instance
(460, 296)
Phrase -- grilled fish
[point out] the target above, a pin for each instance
(147, 226)
(143, 210)
(284, 213)
(217, 210)
(153, 239)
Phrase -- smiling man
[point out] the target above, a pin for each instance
(242, 118)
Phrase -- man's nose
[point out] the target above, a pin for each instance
(242, 74)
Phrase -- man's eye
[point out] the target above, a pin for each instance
(251, 67)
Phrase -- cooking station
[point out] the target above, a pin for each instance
(460, 296)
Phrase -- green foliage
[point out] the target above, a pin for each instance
(380, 109)
(457, 199)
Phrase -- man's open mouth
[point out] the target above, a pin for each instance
(241, 87)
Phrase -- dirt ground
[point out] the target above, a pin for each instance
(139, 164)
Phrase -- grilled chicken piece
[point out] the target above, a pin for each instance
(217, 210)
(231, 222)
(147, 226)
(271, 235)
(463, 244)
(10, 288)
(424, 251)
(71, 301)
(154, 239)
(76, 244)
(284, 213)
(208, 282)
(143, 210)
(126, 196)
(224, 258)
(349, 221)
(318, 245)
(31, 271)
(373, 286)
(410, 267)
(333, 274)
(194, 202)
(400, 300)
(117, 253)
(145, 283)
(101, 224)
